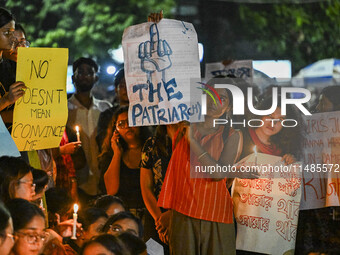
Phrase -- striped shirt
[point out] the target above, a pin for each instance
(202, 198)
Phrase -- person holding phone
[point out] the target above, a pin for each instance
(120, 161)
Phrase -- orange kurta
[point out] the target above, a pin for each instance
(200, 198)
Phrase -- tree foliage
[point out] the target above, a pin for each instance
(303, 33)
(86, 27)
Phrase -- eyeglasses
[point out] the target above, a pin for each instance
(28, 182)
(24, 43)
(122, 124)
(32, 238)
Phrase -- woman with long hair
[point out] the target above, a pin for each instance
(10, 90)
(16, 179)
(29, 227)
(120, 160)
(272, 138)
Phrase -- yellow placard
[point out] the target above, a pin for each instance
(40, 115)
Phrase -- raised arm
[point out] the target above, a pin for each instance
(112, 175)
(231, 152)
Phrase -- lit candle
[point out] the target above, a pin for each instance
(78, 134)
(255, 151)
(75, 216)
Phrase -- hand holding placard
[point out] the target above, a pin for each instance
(154, 54)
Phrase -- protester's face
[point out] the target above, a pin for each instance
(114, 209)
(122, 126)
(7, 241)
(95, 229)
(96, 249)
(324, 105)
(6, 36)
(31, 238)
(122, 92)
(124, 225)
(84, 78)
(20, 38)
(25, 187)
(270, 127)
(218, 109)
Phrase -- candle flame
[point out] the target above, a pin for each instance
(77, 128)
(255, 149)
(75, 208)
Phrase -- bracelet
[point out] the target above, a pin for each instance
(200, 156)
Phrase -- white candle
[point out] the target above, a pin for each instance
(78, 134)
(75, 217)
(255, 151)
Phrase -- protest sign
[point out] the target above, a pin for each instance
(160, 59)
(40, 115)
(321, 170)
(7, 145)
(267, 208)
(239, 68)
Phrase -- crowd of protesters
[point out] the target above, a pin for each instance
(134, 183)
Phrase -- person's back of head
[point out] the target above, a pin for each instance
(133, 243)
(40, 178)
(58, 202)
(119, 76)
(103, 244)
(332, 93)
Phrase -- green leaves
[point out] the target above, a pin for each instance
(86, 27)
(304, 33)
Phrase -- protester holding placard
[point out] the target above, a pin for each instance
(84, 112)
(10, 91)
(273, 139)
(321, 224)
(20, 41)
(202, 209)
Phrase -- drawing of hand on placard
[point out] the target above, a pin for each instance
(154, 54)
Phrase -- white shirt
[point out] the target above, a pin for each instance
(87, 120)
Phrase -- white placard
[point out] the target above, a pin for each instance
(267, 208)
(160, 59)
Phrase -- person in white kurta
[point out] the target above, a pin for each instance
(84, 111)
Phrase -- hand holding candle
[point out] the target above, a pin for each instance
(75, 217)
(78, 134)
